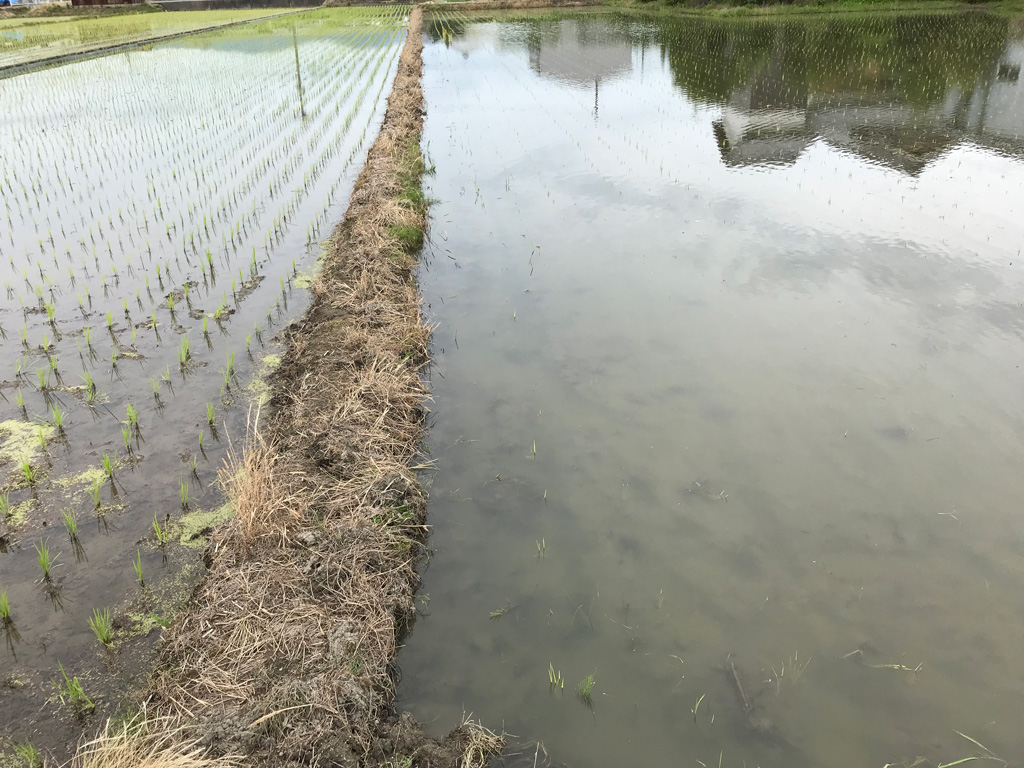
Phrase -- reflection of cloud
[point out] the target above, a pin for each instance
(936, 283)
(581, 54)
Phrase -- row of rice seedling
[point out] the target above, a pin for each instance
(22, 43)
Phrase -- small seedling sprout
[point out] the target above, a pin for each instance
(137, 566)
(161, 533)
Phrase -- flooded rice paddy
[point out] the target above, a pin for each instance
(26, 39)
(162, 212)
(727, 413)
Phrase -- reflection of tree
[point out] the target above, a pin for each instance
(915, 59)
(709, 59)
(440, 29)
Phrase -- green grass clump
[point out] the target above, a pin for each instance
(410, 238)
(27, 751)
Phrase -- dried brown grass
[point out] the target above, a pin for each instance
(478, 744)
(286, 652)
(267, 497)
(142, 743)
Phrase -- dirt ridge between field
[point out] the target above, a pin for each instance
(285, 653)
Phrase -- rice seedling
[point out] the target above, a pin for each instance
(126, 436)
(70, 524)
(94, 493)
(101, 626)
(137, 567)
(210, 413)
(41, 435)
(133, 416)
(5, 608)
(58, 418)
(184, 353)
(586, 687)
(183, 487)
(5, 505)
(19, 399)
(555, 678)
(47, 562)
(71, 692)
(108, 466)
(696, 707)
(27, 473)
(161, 532)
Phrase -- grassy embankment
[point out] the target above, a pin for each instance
(801, 7)
(720, 8)
(63, 10)
(285, 652)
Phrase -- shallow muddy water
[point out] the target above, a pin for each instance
(727, 389)
(190, 184)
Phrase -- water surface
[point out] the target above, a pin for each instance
(727, 377)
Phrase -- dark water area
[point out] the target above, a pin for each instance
(727, 388)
